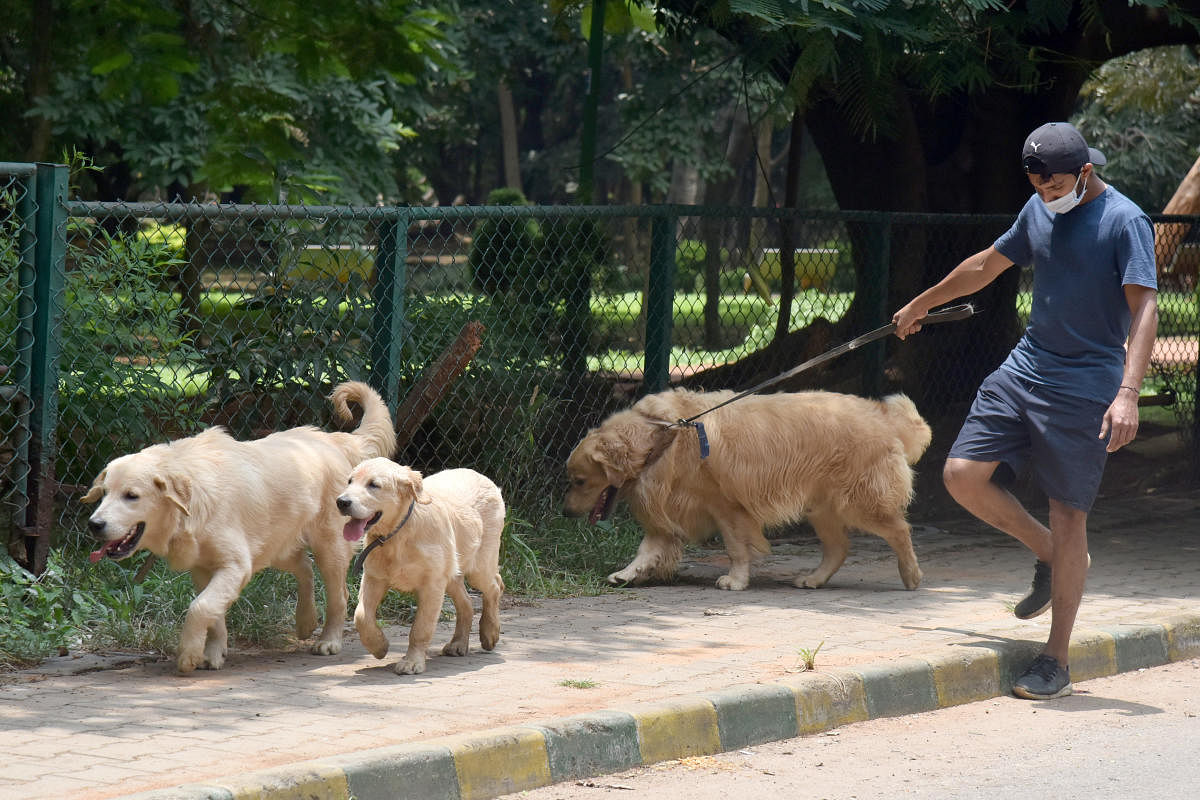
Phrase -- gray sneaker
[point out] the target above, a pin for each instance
(1037, 601)
(1044, 680)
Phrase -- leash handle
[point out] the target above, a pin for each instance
(951, 314)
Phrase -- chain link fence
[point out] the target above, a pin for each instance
(16, 276)
(497, 334)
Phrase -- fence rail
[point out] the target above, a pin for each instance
(130, 323)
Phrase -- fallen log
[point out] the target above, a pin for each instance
(436, 381)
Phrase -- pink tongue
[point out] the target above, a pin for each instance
(354, 529)
(96, 555)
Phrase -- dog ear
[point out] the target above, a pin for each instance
(177, 490)
(620, 455)
(411, 480)
(97, 490)
(624, 451)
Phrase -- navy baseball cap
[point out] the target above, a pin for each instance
(1057, 147)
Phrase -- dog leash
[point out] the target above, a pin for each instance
(362, 557)
(949, 314)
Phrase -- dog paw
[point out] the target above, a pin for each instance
(912, 579)
(409, 666)
(328, 648)
(728, 583)
(187, 663)
(305, 627)
(808, 582)
(456, 648)
(624, 576)
(214, 656)
(488, 637)
(373, 639)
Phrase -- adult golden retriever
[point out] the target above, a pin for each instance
(224, 509)
(424, 535)
(838, 460)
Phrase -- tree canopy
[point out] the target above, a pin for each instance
(268, 99)
(912, 106)
(921, 106)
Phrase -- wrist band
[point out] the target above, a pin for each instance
(1130, 388)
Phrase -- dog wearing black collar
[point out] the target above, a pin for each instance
(425, 535)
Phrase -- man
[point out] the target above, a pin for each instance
(1067, 394)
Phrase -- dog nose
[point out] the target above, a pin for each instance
(96, 526)
(343, 504)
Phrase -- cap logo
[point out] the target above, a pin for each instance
(1035, 145)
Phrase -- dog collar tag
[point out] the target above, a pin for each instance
(703, 439)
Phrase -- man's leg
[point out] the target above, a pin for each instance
(1067, 577)
(1049, 676)
(970, 484)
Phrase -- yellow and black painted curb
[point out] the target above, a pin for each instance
(506, 760)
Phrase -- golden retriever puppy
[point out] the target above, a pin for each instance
(225, 509)
(838, 460)
(423, 536)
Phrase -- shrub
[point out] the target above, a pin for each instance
(41, 614)
(502, 247)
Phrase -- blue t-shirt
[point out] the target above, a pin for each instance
(1075, 340)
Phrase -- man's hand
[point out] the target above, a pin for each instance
(1120, 422)
(908, 319)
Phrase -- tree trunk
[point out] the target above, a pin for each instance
(762, 187)
(685, 183)
(635, 253)
(508, 136)
(719, 192)
(787, 238)
(41, 46)
(909, 171)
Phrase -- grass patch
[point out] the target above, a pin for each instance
(561, 557)
(747, 325)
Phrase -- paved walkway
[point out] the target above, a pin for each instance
(589, 685)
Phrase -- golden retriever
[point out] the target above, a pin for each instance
(838, 460)
(225, 509)
(424, 535)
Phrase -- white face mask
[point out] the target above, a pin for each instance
(1061, 205)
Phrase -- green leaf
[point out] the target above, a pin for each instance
(113, 63)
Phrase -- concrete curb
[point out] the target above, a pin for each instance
(506, 760)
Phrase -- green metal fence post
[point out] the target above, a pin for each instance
(50, 255)
(659, 302)
(388, 327)
(875, 302)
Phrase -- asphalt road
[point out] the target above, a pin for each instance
(1133, 735)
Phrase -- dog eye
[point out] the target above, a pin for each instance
(130, 495)
(577, 481)
(372, 484)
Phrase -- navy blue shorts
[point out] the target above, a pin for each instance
(1021, 424)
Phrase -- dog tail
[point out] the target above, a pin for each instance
(913, 431)
(375, 429)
